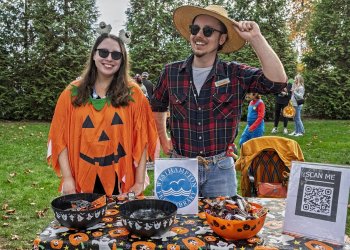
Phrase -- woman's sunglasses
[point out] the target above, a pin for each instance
(207, 30)
(104, 53)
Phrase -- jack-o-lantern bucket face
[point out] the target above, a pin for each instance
(236, 229)
(96, 141)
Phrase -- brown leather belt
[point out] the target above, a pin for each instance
(205, 161)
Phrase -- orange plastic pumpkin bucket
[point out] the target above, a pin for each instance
(236, 229)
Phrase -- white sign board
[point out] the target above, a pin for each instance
(317, 201)
(176, 180)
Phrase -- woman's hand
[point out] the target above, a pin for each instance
(137, 189)
(68, 186)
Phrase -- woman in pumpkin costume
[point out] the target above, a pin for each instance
(102, 130)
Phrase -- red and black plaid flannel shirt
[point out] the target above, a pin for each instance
(205, 124)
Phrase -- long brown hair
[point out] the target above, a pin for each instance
(118, 90)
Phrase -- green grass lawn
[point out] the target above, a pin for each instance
(28, 185)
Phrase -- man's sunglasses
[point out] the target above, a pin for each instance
(207, 30)
(104, 53)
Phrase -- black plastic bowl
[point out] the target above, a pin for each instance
(151, 224)
(77, 219)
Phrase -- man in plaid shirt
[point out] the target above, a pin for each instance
(205, 95)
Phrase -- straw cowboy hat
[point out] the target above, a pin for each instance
(184, 15)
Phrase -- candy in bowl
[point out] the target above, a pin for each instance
(79, 210)
(148, 217)
(235, 219)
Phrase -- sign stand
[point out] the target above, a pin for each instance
(176, 180)
(317, 201)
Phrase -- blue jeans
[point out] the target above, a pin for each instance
(218, 178)
(247, 135)
(299, 127)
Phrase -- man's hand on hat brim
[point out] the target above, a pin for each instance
(248, 30)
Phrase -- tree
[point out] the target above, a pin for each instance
(155, 40)
(271, 16)
(299, 17)
(46, 44)
(327, 60)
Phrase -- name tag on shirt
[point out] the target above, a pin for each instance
(222, 82)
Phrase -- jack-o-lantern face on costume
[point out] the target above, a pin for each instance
(93, 144)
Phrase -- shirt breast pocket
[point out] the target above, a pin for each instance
(223, 105)
(178, 106)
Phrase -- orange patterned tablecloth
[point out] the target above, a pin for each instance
(189, 232)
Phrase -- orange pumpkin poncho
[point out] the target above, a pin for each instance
(104, 142)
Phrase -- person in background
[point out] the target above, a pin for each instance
(138, 80)
(205, 94)
(147, 83)
(282, 100)
(298, 92)
(255, 118)
(102, 129)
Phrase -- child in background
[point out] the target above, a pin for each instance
(255, 118)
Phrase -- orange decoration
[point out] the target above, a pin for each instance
(173, 247)
(111, 212)
(315, 245)
(76, 239)
(107, 219)
(97, 234)
(118, 232)
(265, 248)
(201, 215)
(190, 222)
(235, 229)
(193, 243)
(274, 224)
(36, 242)
(56, 244)
(288, 111)
(143, 245)
(254, 240)
(100, 202)
(210, 238)
(179, 230)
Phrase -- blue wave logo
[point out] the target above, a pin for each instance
(178, 185)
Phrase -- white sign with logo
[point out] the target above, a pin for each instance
(317, 201)
(176, 180)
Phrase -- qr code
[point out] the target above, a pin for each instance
(317, 199)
